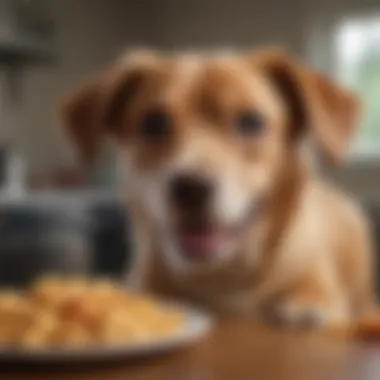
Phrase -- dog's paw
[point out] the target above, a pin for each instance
(301, 316)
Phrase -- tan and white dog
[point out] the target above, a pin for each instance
(227, 209)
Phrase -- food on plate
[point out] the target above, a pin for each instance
(67, 312)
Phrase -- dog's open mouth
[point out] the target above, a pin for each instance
(202, 240)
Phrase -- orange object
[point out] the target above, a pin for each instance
(368, 329)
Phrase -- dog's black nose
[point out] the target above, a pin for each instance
(189, 191)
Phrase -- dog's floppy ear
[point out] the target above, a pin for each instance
(80, 114)
(316, 105)
(96, 109)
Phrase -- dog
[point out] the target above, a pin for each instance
(228, 207)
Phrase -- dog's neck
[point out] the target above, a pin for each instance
(282, 206)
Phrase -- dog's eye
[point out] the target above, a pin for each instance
(155, 125)
(249, 123)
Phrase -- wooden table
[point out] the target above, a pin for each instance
(236, 350)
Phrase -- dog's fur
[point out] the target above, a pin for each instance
(304, 255)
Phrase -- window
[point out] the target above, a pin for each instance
(358, 66)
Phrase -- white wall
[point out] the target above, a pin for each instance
(236, 23)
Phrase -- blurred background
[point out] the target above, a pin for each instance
(54, 217)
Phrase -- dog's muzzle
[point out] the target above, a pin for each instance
(198, 234)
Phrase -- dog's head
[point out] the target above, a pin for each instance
(205, 139)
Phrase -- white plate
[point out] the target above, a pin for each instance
(197, 325)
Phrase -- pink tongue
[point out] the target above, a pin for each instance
(200, 243)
